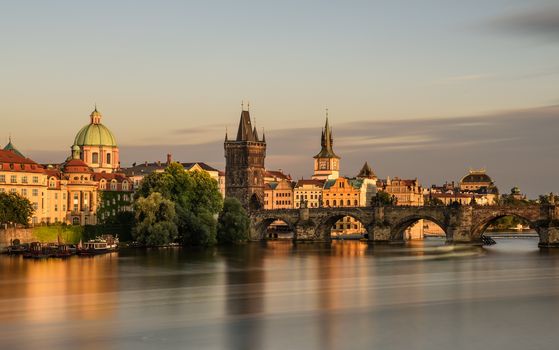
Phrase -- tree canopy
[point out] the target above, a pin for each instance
(383, 199)
(233, 223)
(155, 220)
(196, 198)
(15, 209)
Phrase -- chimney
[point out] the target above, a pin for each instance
(158, 163)
(169, 158)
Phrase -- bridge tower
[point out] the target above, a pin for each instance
(244, 165)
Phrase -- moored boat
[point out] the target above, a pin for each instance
(99, 245)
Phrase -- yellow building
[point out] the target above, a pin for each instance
(23, 176)
(478, 183)
(278, 195)
(308, 192)
(70, 192)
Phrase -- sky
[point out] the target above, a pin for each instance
(424, 89)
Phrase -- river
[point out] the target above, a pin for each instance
(347, 295)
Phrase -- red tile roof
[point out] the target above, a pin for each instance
(11, 161)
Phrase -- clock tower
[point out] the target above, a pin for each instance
(326, 162)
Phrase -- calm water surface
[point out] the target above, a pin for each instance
(346, 295)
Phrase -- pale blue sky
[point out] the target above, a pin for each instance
(159, 67)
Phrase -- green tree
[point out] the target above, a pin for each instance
(382, 199)
(15, 209)
(155, 220)
(433, 201)
(196, 197)
(233, 223)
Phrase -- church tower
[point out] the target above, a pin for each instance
(326, 162)
(244, 165)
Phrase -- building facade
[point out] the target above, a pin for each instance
(308, 193)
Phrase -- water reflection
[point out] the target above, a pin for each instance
(277, 295)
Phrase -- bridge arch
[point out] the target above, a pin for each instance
(260, 227)
(483, 224)
(399, 228)
(325, 226)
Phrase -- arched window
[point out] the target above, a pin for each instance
(95, 158)
(327, 203)
(108, 158)
(356, 203)
(334, 203)
(348, 203)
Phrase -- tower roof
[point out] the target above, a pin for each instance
(366, 172)
(246, 131)
(327, 143)
(10, 147)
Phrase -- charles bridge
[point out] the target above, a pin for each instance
(461, 224)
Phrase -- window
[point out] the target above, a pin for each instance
(348, 203)
(2, 178)
(13, 190)
(95, 158)
(108, 158)
(76, 221)
(56, 207)
(35, 192)
(24, 179)
(24, 191)
(13, 179)
(35, 205)
(334, 202)
(35, 179)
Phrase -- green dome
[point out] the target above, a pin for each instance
(95, 135)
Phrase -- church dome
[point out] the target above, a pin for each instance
(95, 133)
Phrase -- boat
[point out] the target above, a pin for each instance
(100, 245)
(62, 251)
(38, 251)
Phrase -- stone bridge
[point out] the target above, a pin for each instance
(461, 224)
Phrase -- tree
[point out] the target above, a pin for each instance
(15, 209)
(196, 197)
(155, 220)
(433, 201)
(233, 223)
(382, 199)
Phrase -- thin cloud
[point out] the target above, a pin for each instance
(543, 21)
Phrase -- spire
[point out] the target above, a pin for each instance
(255, 134)
(225, 134)
(327, 142)
(263, 136)
(245, 132)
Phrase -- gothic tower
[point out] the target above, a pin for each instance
(244, 165)
(326, 162)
